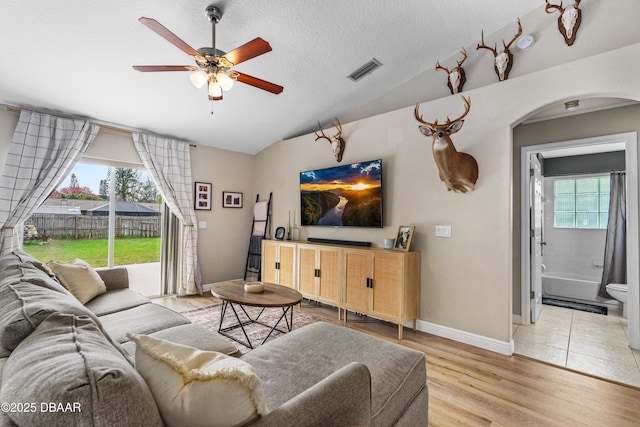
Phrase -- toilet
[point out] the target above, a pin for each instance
(619, 291)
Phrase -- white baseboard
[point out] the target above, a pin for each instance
(480, 341)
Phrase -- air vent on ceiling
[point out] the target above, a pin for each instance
(365, 69)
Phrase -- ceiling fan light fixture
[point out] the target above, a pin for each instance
(215, 91)
(199, 78)
(224, 80)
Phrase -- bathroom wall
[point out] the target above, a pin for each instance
(571, 250)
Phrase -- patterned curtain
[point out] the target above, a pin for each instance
(169, 164)
(43, 151)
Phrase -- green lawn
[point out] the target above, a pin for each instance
(134, 250)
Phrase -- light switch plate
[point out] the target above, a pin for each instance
(202, 224)
(443, 230)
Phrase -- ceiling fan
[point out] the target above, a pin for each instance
(214, 66)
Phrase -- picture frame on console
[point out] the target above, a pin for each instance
(404, 238)
(202, 196)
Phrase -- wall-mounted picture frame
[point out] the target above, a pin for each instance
(404, 238)
(231, 199)
(202, 196)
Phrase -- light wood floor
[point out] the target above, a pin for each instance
(469, 386)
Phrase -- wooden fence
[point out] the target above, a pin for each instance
(58, 226)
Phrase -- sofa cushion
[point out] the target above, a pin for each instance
(68, 362)
(198, 388)
(118, 300)
(191, 335)
(299, 359)
(24, 305)
(79, 278)
(143, 319)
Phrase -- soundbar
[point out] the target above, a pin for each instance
(338, 242)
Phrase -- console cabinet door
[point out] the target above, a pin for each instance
(319, 273)
(287, 264)
(357, 275)
(307, 271)
(329, 275)
(269, 261)
(279, 263)
(386, 286)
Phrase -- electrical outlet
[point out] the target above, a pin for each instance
(202, 224)
(443, 230)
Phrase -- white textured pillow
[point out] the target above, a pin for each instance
(80, 279)
(198, 388)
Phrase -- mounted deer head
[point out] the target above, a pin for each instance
(336, 141)
(503, 61)
(568, 21)
(458, 171)
(455, 77)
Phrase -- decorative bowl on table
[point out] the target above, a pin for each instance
(254, 287)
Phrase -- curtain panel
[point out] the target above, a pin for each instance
(43, 150)
(615, 249)
(169, 164)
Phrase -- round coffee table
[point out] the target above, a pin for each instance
(233, 295)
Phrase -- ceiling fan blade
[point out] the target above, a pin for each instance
(145, 68)
(259, 83)
(163, 32)
(255, 47)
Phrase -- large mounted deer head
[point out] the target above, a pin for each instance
(458, 171)
(568, 21)
(503, 61)
(455, 77)
(336, 141)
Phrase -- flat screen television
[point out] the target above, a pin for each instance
(342, 196)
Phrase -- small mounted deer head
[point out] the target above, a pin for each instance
(458, 171)
(455, 77)
(503, 61)
(336, 141)
(568, 21)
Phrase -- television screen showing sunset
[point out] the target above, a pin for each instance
(348, 195)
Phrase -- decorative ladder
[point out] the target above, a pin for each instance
(259, 229)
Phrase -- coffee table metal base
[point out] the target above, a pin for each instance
(240, 324)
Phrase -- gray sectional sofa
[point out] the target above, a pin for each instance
(63, 363)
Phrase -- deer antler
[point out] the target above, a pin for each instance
(338, 126)
(518, 34)
(484, 46)
(440, 67)
(322, 135)
(467, 107)
(464, 53)
(550, 8)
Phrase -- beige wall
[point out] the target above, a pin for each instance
(223, 245)
(607, 122)
(466, 279)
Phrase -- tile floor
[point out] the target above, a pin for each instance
(585, 342)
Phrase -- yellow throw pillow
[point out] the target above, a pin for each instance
(79, 278)
(198, 388)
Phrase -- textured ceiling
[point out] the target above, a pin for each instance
(74, 57)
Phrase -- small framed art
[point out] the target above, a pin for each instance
(403, 240)
(231, 199)
(202, 196)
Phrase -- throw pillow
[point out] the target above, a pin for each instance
(198, 388)
(80, 279)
